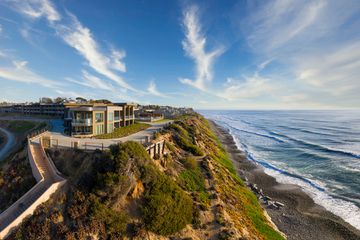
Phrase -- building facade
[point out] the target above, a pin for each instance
(87, 120)
(53, 109)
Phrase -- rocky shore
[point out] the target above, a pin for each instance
(292, 210)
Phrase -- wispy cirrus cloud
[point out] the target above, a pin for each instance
(19, 71)
(247, 88)
(152, 89)
(194, 45)
(91, 81)
(36, 9)
(315, 43)
(79, 37)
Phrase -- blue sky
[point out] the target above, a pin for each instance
(278, 54)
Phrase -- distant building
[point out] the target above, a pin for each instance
(149, 115)
(91, 119)
(50, 109)
(166, 111)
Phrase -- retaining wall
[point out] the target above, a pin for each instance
(45, 188)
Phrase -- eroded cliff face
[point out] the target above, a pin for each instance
(191, 192)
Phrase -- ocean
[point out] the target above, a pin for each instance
(317, 150)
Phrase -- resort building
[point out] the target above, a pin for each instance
(87, 120)
(51, 109)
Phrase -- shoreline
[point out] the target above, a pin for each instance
(301, 218)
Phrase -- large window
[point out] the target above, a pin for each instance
(117, 115)
(111, 116)
(110, 128)
(99, 129)
(99, 117)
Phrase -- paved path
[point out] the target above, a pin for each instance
(49, 177)
(10, 142)
(62, 140)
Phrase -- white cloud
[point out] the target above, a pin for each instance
(252, 87)
(81, 39)
(21, 73)
(116, 60)
(336, 72)
(154, 91)
(71, 94)
(36, 9)
(78, 37)
(313, 46)
(194, 45)
(281, 23)
(91, 81)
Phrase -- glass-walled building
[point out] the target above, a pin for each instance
(87, 120)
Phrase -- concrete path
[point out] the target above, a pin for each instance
(49, 177)
(10, 142)
(62, 140)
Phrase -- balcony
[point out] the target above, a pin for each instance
(129, 117)
(81, 122)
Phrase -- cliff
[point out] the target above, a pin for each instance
(191, 192)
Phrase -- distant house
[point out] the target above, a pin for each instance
(91, 119)
(149, 115)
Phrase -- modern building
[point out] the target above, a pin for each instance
(87, 120)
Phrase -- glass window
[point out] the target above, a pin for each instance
(99, 129)
(99, 117)
(110, 128)
(111, 116)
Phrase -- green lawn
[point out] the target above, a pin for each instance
(124, 131)
(162, 120)
(21, 126)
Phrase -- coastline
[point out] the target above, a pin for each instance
(301, 218)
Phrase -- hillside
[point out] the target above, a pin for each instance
(192, 192)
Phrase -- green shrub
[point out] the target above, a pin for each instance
(115, 222)
(189, 163)
(167, 209)
(188, 146)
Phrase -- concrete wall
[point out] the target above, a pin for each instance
(34, 168)
(30, 210)
(44, 188)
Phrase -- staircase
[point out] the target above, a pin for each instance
(48, 182)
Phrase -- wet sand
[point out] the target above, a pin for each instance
(300, 218)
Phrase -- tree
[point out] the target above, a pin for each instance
(46, 100)
(59, 100)
(81, 100)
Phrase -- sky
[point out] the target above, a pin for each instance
(270, 54)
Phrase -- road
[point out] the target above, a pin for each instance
(10, 142)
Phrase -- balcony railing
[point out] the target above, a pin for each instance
(81, 122)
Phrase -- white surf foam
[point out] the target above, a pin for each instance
(348, 211)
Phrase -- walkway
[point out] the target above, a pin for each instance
(10, 142)
(62, 140)
(48, 182)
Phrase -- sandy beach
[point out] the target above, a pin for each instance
(300, 218)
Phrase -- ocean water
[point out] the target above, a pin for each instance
(317, 150)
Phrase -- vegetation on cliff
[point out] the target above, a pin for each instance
(192, 192)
